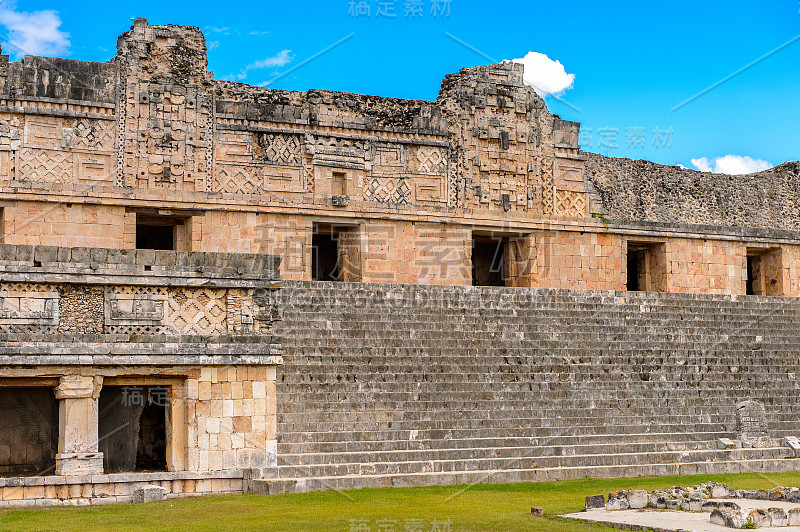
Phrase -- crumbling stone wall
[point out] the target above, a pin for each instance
(643, 190)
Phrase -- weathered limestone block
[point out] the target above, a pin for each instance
(617, 504)
(148, 494)
(637, 498)
(720, 491)
(595, 501)
(760, 518)
(778, 517)
(793, 517)
(718, 517)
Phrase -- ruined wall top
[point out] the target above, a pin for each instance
(168, 54)
(646, 191)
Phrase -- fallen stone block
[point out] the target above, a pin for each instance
(720, 491)
(778, 494)
(718, 517)
(595, 501)
(778, 517)
(537, 511)
(793, 517)
(617, 504)
(637, 499)
(149, 494)
(760, 518)
(735, 519)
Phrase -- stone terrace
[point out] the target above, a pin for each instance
(389, 385)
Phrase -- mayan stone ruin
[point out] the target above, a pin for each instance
(210, 287)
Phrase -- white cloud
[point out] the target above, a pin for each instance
(280, 59)
(36, 33)
(731, 164)
(545, 75)
(213, 45)
(257, 33)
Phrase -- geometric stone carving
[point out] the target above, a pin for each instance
(48, 166)
(284, 178)
(570, 203)
(200, 311)
(237, 180)
(94, 134)
(43, 132)
(429, 189)
(388, 190)
(28, 304)
(389, 159)
(93, 169)
(280, 148)
(134, 306)
(427, 160)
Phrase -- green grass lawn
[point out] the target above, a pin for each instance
(462, 508)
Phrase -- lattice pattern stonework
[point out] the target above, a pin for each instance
(197, 311)
(427, 160)
(284, 149)
(237, 180)
(388, 190)
(569, 203)
(94, 134)
(51, 166)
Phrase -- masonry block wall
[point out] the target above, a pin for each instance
(254, 170)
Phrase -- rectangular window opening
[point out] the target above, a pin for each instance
(157, 232)
(28, 431)
(489, 261)
(132, 428)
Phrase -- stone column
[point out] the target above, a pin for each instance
(77, 431)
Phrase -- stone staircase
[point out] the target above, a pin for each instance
(388, 385)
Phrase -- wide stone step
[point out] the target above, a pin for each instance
(452, 478)
(431, 465)
(467, 453)
(416, 443)
(517, 426)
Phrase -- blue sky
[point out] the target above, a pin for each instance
(633, 62)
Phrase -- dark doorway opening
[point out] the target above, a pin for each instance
(336, 253)
(325, 257)
(488, 261)
(28, 431)
(753, 270)
(637, 261)
(133, 428)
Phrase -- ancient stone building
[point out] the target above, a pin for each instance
(216, 287)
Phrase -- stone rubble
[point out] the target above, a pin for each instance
(699, 498)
